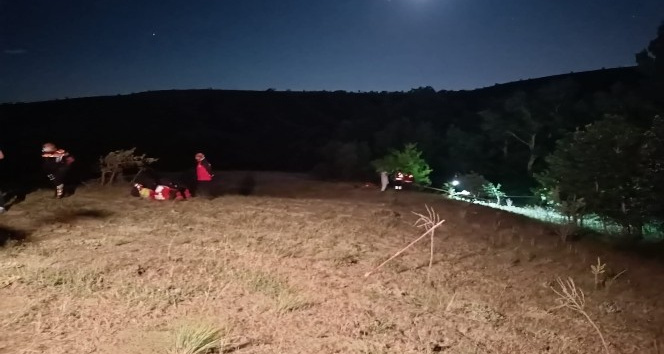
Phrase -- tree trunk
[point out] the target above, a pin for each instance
(533, 156)
(531, 162)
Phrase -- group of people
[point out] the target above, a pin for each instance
(151, 186)
(399, 179)
(57, 163)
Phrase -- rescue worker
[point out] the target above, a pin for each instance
(56, 165)
(384, 181)
(408, 180)
(398, 180)
(203, 176)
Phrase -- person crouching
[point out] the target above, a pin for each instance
(56, 165)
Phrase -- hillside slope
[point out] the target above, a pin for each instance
(282, 271)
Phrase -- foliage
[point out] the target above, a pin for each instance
(449, 189)
(653, 168)
(115, 162)
(473, 183)
(493, 191)
(344, 160)
(464, 149)
(408, 160)
(612, 169)
(651, 58)
(528, 120)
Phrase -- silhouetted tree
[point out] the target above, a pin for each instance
(651, 58)
(603, 165)
(407, 160)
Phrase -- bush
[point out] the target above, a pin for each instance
(612, 169)
(116, 162)
(408, 160)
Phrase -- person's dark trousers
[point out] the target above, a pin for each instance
(58, 180)
(204, 189)
(2, 201)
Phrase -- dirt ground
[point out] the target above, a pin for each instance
(281, 270)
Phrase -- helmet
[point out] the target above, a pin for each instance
(49, 147)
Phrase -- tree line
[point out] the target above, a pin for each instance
(542, 135)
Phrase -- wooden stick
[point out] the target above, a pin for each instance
(405, 248)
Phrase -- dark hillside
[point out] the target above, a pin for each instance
(261, 130)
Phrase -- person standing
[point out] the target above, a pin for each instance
(408, 180)
(203, 176)
(398, 180)
(2, 193)
(56, 165)
(384, 181)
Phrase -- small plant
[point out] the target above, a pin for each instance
(509, 202)
(565, 230)
(597, 271)
(115, 162)
(428, 222)
(493, 191)
(572, 208)
(573, 298)
(449, 189)
(200, 339)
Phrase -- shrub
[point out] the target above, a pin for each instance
(115, 162)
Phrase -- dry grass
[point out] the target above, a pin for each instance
(102, 272)
(572, 298)
(197, 339)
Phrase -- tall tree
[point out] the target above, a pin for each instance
(603, 165)
(651, 58)
(527, 120)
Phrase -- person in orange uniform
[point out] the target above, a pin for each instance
(408, 180)
(398, 180)
(56, 165)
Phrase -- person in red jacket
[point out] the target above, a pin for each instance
(204, 176)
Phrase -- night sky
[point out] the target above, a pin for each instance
(71, 48)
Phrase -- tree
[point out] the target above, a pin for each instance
(528, 119)
(344, 160)
(653, 168)
(464, 150)
(407, 160)
(493, 191)
(115, 162)
(602, 165)
(651, 59)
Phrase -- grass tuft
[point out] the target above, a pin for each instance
(197, 339)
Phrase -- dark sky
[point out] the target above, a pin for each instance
(71, 48)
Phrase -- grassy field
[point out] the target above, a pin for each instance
(282, 271)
